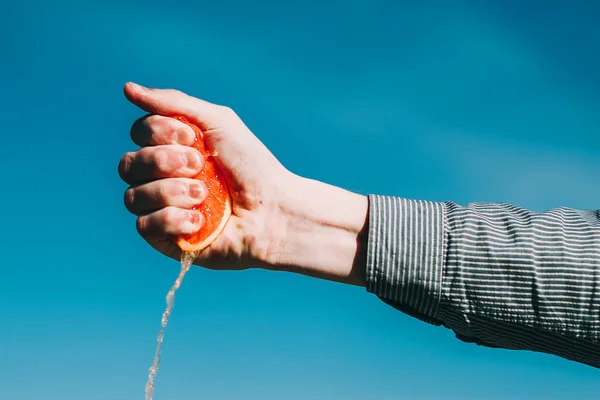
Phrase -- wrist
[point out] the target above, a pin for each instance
(325, 232)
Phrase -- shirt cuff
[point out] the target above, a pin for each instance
(405, 254)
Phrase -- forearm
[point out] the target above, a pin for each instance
(496, 275)
(325, 232)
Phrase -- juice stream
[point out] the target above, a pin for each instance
(186, 261)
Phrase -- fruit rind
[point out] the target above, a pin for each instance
(183, 241)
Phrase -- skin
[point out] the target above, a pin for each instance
(280, 221)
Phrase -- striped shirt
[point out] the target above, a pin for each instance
(495, 274)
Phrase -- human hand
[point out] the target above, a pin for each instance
(276, 222)
(162, 192)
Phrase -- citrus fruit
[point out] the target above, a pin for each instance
(216, 209)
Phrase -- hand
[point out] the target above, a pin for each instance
(162, 193)
(276, 221)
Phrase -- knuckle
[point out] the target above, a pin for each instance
(165, 191)
(182, 135)
(153, 129)
(169, 216)
(171, 134)
(162, 127)
(150, 122)
(227, 111)
(175, 93)
(166, 162)
(161, 196)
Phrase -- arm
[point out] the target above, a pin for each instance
(326, 232)
(497, 275)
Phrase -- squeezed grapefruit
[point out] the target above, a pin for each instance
(216, 209)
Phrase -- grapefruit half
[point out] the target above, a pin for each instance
(216, 209)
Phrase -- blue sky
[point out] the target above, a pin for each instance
(461, 101)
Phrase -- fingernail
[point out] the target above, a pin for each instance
(184, 136)
(195, 217)
(138, 88)
(197, 191)
(192, 223)
(192, 159)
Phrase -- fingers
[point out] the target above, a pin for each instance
(177, 192)
(150, 163)
(170, 102)
(154, 130)
(169, 221)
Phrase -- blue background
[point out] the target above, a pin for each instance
(461, 101)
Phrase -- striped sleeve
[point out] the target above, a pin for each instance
(495, 274)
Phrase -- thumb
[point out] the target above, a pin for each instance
(169, 102)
